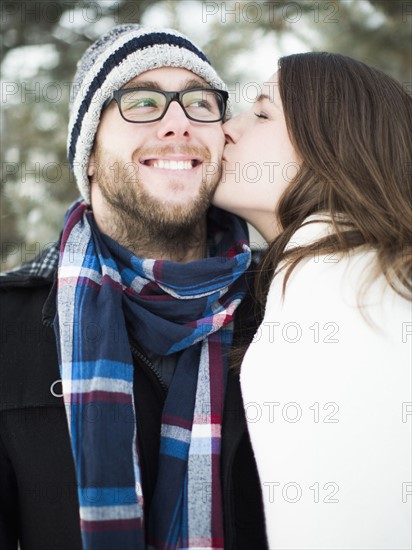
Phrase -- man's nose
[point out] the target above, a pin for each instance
(175, 123)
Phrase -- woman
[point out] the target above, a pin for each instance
(320, 166)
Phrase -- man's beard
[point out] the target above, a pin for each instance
(134, 215)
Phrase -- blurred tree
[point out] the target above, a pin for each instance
(378, 32)
(41, 42)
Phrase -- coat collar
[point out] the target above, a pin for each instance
(313, 228)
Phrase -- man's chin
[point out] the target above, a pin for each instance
(177, 216)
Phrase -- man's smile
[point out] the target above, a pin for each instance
(177, 162)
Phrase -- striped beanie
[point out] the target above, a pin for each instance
(115, 58)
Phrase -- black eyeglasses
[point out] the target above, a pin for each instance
(140, 105)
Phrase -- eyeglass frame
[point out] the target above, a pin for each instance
(170, 96)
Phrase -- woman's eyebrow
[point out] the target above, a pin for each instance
(261, 97)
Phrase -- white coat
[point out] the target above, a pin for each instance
(327, 392)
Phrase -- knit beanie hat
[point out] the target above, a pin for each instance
(115, 58)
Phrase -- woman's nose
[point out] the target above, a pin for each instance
(234, 128)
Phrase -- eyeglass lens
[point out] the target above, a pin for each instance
(146, 105)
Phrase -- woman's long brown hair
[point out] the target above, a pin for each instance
(351, 125)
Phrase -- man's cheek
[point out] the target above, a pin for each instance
(211, 170)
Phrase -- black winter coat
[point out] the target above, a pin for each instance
(38, 494)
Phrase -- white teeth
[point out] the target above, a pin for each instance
(172, 164)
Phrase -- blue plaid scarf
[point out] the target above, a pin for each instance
(104, 291)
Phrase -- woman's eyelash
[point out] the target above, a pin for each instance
(261, 115)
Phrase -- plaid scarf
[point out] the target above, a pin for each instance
(104, 291)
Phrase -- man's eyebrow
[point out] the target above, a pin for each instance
(195, 83)
(192, 83)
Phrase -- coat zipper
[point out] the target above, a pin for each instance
(137, 353)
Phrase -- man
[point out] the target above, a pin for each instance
(148, 447)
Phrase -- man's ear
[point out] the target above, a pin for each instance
(91, 165)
